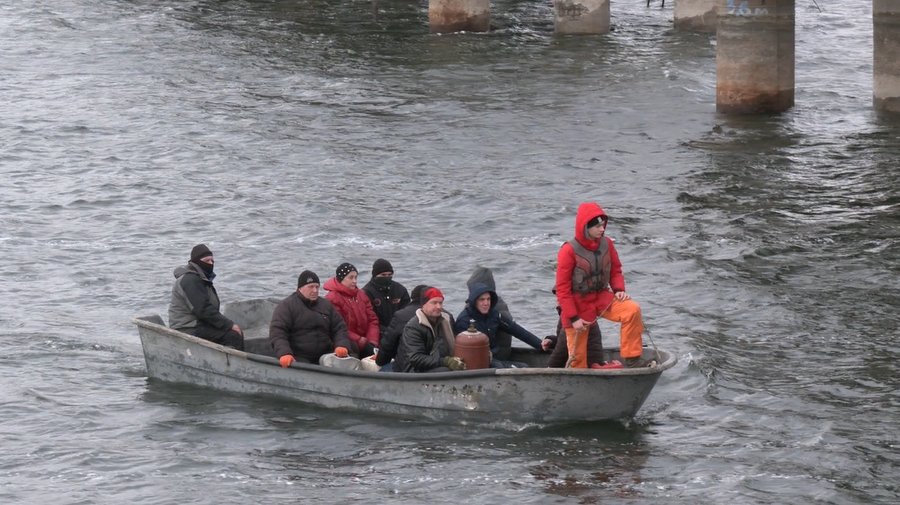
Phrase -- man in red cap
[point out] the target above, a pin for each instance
(426, 344)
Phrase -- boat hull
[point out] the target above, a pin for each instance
(514, 395)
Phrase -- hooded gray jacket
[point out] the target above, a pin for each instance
(195, 301)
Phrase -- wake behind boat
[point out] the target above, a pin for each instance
(518, 395)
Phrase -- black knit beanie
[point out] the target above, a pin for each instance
(381, 266)
(199, 252)
(307, 277)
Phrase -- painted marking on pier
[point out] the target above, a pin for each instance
(742, 9)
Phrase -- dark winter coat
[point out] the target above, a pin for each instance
(492, 322)
(306, 329)
(391, 338)
(194, 301)
(423, 346)
(390, 341)
(386, 300)
(484, 275)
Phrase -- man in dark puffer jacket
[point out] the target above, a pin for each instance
(387, 295)
(305, 326)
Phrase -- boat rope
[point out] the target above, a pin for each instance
(655, 349)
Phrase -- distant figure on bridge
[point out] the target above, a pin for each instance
(304, 326)
(194, 306)
(356, 309)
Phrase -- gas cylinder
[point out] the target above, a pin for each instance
(473, 347)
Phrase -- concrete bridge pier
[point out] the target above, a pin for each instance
(581, 17)
(886, 89)
(754, 56)
(695, 15)
(447, 16)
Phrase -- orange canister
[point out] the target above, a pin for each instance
(473, 347)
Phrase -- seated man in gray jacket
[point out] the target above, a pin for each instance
(194, 307)
(305, 326)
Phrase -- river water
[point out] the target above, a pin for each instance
(299, 134)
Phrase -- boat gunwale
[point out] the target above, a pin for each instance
(669, 362)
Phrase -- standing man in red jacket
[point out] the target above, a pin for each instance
(589, 284)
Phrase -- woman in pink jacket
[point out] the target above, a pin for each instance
(354, 306)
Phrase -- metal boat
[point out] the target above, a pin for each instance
(535, 394)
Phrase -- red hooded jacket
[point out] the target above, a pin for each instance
(355, 307)
(586, 306)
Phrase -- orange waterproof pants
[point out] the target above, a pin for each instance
(626, 312)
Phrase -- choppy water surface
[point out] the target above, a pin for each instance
(298, 134)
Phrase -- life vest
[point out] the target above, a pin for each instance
(591, 272)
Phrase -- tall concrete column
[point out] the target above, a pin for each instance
(695, 15)
(886, 92)
(446, 16)
(581, 16)
(754, 56)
